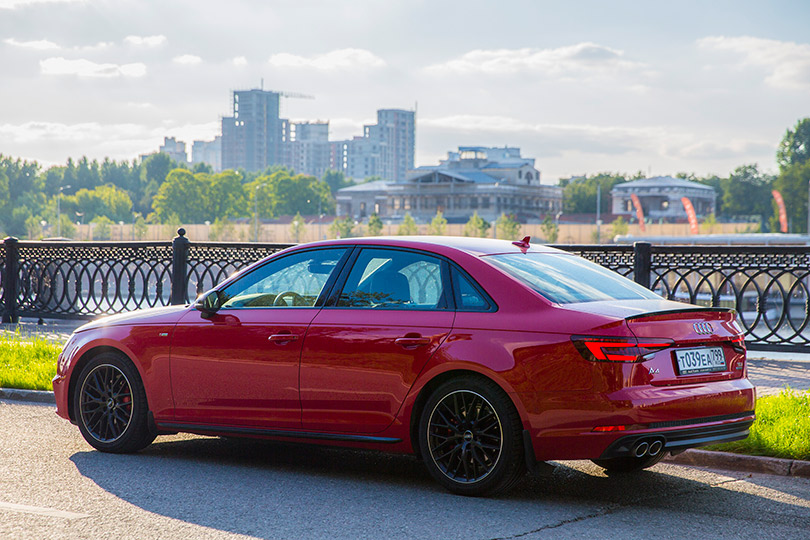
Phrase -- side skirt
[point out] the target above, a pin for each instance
(205, 429)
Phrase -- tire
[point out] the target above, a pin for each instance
(110, 405)
(629, 464)
(472, 455)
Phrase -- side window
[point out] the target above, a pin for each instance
(468, 296)
(292, 281)
(391, 279)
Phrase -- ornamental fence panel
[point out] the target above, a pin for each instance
(769, 286)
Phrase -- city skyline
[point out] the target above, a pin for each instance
(583, 88)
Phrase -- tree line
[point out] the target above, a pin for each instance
(743, 195)
(37, 202)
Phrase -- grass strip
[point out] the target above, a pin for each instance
(28, 363)
(782, 428)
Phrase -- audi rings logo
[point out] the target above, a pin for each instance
(702, 328)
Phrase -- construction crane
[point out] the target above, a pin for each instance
(289, 94)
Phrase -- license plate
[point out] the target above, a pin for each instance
(704, 360)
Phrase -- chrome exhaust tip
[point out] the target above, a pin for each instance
(641, 448)
(655, 447)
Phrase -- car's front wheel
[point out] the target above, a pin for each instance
(470, 437)
(110, 405)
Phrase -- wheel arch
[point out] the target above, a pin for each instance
(436, 381)
(86, 357)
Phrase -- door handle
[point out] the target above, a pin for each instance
(281, 339)
(412, 342)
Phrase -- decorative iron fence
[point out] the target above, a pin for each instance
(768, 285)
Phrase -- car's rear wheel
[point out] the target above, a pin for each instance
(110, 405)
(470, 437)
(629, 463)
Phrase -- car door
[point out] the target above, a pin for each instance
(363, 354)
(240, 365)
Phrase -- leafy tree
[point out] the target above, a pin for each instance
(203, 167)
(550, 229)
(224, 196)
(297, 227)
(375, 225)
(579, 193)
(156, 167)
(792, 183)
(408, 226)
(103, 227)
(222, 230)
(33, 227)
(282, 194)
(508, 227)
(140, 227)
(619, 226)
(795, 146)
(438, 226)
(180, 196)
(709, 223)
(747, 192)
(336, 180)
(105, 200)
(342, 227)
(476, 226)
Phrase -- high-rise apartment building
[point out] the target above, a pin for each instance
(252, 137)
(209, 152)
(386, 148)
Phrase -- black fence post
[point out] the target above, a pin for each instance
(180, 268)
(642, 263)
(10, 285)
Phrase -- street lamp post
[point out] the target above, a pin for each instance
(59, 211)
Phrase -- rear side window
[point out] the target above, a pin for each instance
(392, 279)
(468, 296)
(566, 279)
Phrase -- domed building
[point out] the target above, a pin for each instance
(660, 198)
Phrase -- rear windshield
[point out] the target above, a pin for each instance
(565, 279)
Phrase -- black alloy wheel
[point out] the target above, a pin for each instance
(110, 405)
(470, 437)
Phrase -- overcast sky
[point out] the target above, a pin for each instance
(582, 86)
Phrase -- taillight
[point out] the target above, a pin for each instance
(738, 344)
(608, 349)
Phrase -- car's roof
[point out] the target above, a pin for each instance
(475, 246)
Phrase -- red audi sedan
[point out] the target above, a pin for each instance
(481, 356)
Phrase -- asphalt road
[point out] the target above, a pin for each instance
(53, 485)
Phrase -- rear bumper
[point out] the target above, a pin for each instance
(678, 417)
(678, 440)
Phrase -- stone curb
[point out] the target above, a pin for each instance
(697, 458)
(35, 396)
(739, 462)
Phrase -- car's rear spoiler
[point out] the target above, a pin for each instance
(685, 310)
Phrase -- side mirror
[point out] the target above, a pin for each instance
(207, 304)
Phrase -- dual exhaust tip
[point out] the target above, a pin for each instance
(648, 447)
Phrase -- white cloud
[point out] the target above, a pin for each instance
(55, 131)
(145, 41)
(87, 68)
(38, 45)
(340, 59)
(787, 63)
(187, 60)
(14, 4)
(581, 57)
(239, 61)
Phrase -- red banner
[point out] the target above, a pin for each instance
(690, 213)
(639, 211)
(780, 203)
